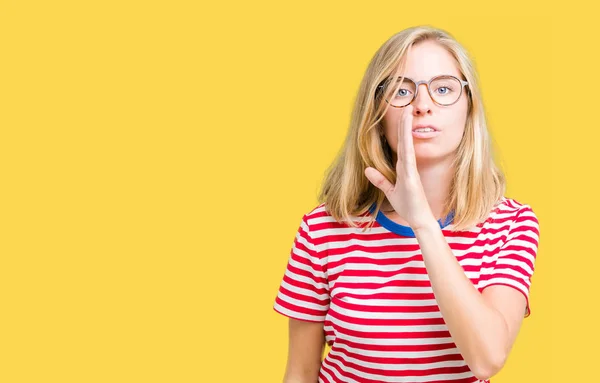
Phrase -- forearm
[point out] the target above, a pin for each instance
(478, 330)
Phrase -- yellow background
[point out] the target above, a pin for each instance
(156, 159)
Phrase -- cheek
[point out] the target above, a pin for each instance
(454, 132)
(455, 120)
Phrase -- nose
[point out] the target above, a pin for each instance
(422, 103)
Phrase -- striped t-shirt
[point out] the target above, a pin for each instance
(373, 293)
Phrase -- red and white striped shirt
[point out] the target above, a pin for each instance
(372, 291)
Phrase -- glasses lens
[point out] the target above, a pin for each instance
(445, 90)
(404, 93)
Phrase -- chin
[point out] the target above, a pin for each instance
(431, 156)
(428, 153)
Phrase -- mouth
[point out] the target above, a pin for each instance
(425, 128)
(425, 131)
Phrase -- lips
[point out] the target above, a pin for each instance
(422, 126)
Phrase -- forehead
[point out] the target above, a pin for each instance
(428, 59)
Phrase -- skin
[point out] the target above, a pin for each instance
(434, 155)
(483, 325)
(306, 347)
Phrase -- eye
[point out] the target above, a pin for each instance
(403, 92)
(444, 90)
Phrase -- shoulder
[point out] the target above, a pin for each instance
(316, 213)
(319, 216)
(312, 219)
(514, 208)
(515, 212)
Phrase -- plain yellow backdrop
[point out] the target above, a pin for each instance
(156, 158)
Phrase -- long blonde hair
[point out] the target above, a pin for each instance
(477, 185)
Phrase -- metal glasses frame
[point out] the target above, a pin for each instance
(428, 84)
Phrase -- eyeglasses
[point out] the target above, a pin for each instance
(444, 90)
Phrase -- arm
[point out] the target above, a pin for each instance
(484, 325)
(306, 346)
(304, 298)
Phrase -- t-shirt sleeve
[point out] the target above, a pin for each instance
(513, 264)
(304, 291)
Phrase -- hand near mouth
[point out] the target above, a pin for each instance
(406, 196)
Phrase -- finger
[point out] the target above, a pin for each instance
(379, 180)
(409, 149)
(405, 149)
(399, 144)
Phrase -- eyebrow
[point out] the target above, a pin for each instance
(438, 75)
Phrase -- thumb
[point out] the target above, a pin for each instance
(379, 180)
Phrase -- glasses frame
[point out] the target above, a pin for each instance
(428, 84)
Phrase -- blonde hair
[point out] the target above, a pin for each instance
(477, 185)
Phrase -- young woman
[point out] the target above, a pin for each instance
(414, 267)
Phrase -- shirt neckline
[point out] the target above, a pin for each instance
(403, 230)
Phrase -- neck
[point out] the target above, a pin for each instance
(436, 177)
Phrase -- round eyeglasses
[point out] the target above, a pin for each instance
(444, 90)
